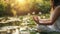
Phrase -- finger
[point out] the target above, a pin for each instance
(36, 18)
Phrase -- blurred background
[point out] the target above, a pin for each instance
(20, 13)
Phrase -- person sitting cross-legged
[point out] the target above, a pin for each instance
(52, 24)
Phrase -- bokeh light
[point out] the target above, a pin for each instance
(21, 1)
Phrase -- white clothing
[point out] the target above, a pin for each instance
(50, 28)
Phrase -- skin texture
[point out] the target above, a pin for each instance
(49, 21)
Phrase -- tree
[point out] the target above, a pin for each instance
(2, 7)
(5, 8)
(40, 6)
(43, 6)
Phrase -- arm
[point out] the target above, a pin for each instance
(52, 20)
(55, 16)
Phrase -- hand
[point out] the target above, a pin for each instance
(36, 19)
(39, 21)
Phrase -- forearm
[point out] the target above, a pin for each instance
(54, 17)
(46, 22)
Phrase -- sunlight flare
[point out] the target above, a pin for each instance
(21, 1)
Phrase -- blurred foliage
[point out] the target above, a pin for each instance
(26, 19)
(43, 6)
(36, 5)
(44, 16)
(5, 8)
(10, 7)
(2, 7)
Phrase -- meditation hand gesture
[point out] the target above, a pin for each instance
(36, 19)
(41, 21)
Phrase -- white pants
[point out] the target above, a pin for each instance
(45, 28)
